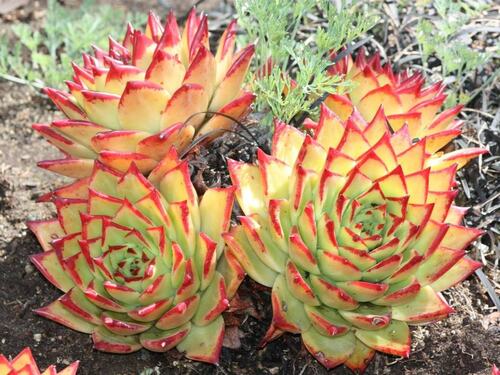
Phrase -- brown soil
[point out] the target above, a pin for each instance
(466, 343)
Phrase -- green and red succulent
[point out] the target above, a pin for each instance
(140, 260)
(403, 96)
(353, 225)
(149, 92)
(355, 230)
(25, 364)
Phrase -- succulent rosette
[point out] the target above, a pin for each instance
(137, 260)
(404, 96)
(149, 92)
(355, 230)
(25, 364)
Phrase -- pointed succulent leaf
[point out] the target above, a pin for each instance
(360, 215)
(327, 321)
(457, 273)
(141, 105)
(158, 340)
(231, 83)
(427, 306)
(138, 262)
(58, 313)
(394, 339)
(204, 343)
(329, 351)
(108, 342)
(24, 364)
(360, 358)
(151, 81)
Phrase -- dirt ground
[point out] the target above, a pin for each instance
(467, 343)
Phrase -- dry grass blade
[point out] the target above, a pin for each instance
(489, 288)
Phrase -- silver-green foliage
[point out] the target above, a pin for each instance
(447, 38)
(42, 57)
(298, 36)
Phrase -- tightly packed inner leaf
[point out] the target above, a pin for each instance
(355, 231)
(24, 364)
(137, 260)
(152, 91)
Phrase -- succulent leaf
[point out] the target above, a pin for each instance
(353, 227)
(154, 90)
(24, 364)
(400, 99)
(138, 263)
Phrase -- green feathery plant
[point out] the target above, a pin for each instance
(446, 38)
(300, 60)
(42, 57)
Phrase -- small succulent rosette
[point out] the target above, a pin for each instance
(404, 97)
(140, 260)
(355, 230)
(25, 364)
(149, 92)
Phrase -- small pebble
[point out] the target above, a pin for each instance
(28, 268)
(37, 337)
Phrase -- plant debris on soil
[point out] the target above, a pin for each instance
(466, 343)
(209, 162)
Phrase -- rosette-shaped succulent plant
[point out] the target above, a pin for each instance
(137, 260)
(355, 230)
(402, 95)
(153, 90)
(25, 364)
